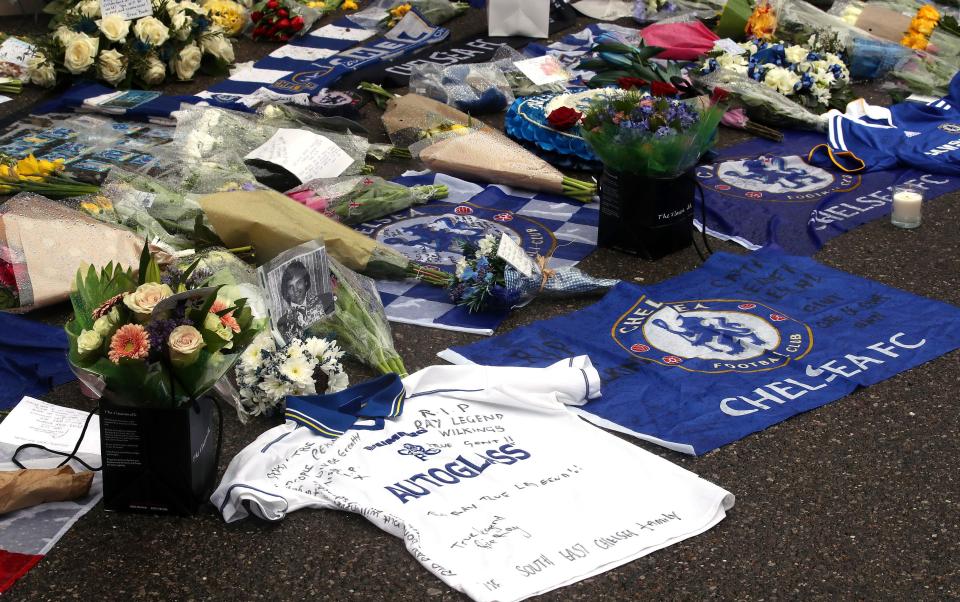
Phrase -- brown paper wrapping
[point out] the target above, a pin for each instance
(273, 223)
(54, 241)
(884, 23)
(483, 154)
(26, 488)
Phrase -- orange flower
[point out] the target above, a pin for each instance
(915, 41)
(923, 26)
(762, 22)
(928, 12)
(130, 341)
(226, 319)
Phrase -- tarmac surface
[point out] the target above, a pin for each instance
(859, 499)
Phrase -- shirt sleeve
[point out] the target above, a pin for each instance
(572, 381)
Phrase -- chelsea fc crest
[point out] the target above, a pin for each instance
(773, 178)
(950, 128)
(434, 234)
(712, 335)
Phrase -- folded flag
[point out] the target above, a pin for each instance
(735, 346)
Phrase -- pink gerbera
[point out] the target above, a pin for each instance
(226, 319)
(130, 341)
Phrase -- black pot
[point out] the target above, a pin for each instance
(648, 217)
(158, 460)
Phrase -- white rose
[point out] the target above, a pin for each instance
(187, 61)
(89, 8)
(79, 54)
(219, 47)
(142, 301)
(781, 80)
(729, 61)
(151, 31)
(113, 67)
(88, 342)
(114, 27)
(185, 343)
(41, 71)
(181, 6)
(153, 71)
(64, 35)
(106, 324)
(796, 54)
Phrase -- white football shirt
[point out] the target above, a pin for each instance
(494, 485)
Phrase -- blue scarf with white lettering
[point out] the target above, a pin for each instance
(735, 346)
(762, 192)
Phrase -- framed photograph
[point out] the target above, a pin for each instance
(298, 289)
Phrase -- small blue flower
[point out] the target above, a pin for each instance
(663, 131)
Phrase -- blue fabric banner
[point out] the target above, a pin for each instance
(33, 359)
(742, 343)
(762, 192)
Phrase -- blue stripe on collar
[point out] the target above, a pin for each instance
(331, 415)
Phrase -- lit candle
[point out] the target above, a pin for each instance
(907, 204)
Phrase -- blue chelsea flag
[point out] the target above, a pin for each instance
(743, 342)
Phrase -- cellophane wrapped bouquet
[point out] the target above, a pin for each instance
(357, 199)
(485, 281)
(148, 341)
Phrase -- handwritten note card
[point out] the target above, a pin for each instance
(128, 9)
(304, 154)
(53, 426)
(512, 253)
(16, 51)
(543, 70)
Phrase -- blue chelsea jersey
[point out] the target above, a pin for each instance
(871, 138)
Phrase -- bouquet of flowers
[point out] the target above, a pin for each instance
(656, 137)
(449, 141)
(279, 21)
(41, 176)
(811, 78)
(485, 281)
(359, 321)
(656, 10)
(152, 344)
(178, 39)
(762, 103)
(268, 373)
(357, 199)
(229, 15)
(436, 12)
(616, 60)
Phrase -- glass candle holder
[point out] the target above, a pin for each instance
(907, 205)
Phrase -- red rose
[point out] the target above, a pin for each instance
(256, 16)
(629, 83)
(7, 277)
(282, 12)
(564, 118)
(718, 95)
(663, 89)
(273, 4)
(283, 23)
(296, 23)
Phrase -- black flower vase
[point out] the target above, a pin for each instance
(648, 217)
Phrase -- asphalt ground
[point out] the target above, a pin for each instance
(859, 499)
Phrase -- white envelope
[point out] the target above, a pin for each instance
(605, 10)
(529, 18)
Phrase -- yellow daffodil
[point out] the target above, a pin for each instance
(349, 5)
(9, 173)
(29, 166)
(317, 4)
(399, 11)
(49, 167)
(929, 13)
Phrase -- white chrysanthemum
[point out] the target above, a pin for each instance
(729, 61)
(298, 370)
(316, 346)
(750, 47)
(781, 80)
(274, 388)
(337, 382)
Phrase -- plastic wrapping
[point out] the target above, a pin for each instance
(43, 243)
(164, 216)
(357, 199)
(666, 11)
(921, 73)
(475, 88)
(521, 85)
(359, 322)
(764, 104)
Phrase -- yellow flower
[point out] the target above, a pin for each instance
(48, 167)
(317, 4)
(928, 12)
(29, 166)
(399, 11)
(349, 5)
(915, 41)
(9, 173)
(922, 26)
